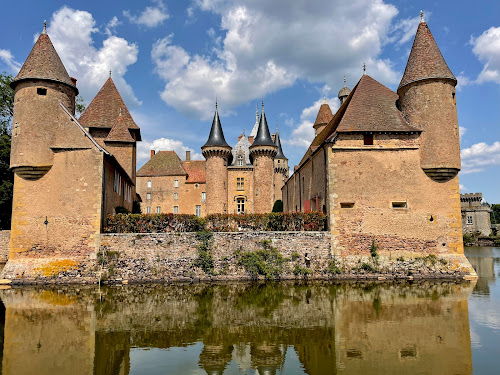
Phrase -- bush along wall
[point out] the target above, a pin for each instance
(137, 223)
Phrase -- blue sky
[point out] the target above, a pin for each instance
(171, 58)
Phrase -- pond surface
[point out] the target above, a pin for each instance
(273, 328)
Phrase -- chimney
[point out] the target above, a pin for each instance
(250, 139)
(73, 80)
(188, 155)
(241, 136)
(152, 153)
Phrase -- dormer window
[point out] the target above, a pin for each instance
(239, 161)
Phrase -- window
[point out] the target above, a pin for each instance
(148, 196)
(368, 139)
(469, 220)
(158, 209)
(176, 183)
(240, 206)
(399, 205)
(203, 197)
(150, 184)
(176, 196)
(117, 183)
(279, 161)
(347, 205)
(240, 183)
(41, 91)
(196, 186)
(176, 209)
(240, 160)
(148, 210)
(127, 192)
(197, 210)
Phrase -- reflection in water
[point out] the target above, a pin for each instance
(239, 328)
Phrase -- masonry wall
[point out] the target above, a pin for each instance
(125, 154)
(481, 221)
(247, 193)
(371, 178)
(114, 198)
(216, 172)
(4, 245)
(263, 176)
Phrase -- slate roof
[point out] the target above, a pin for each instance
(163, 163)
(263, 137)
(119, 132)
(277, 142)
(196, 171)
(104, 109)
(425, 60)
(324, 115)
(241, 148)
(43, 62)
(255, 128)
(216, 137)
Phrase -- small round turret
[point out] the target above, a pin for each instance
(344, 92)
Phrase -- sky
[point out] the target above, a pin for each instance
(171, 59)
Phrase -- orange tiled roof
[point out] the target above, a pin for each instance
(105, 108)
(195, 170)
(163, 163)
(119, 132)
(43, 62)
(324, 115)
(425, 60)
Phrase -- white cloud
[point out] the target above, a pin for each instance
(462, 188)
(269, 45)
(479, 157)
(462, 131)
(7, 57)
(303, 134)
(151, 16)
(71, 33)
(164, 144)
(487, 49)
(462, 81)
(111, 25)
(404, 30)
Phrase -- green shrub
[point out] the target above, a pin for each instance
(121, 210)
(301, 271)
(136, 207)
(267, 262)
(367, 267)
(278, 206)
(332, 268)
(205, 259)
(295, 256)
(431, 258)
(373, 249)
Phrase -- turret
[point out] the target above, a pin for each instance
(344, 92)
(323, 118)
(262, 152)
(39, 122)
(217, 153)
(280, 167)
(427, 100)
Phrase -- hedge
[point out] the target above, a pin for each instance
(157, 223)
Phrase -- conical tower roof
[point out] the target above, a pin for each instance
(277, 143)
(425, 60)
(119, 132)
(216, 137)
(104, 109)
(324, 115)
(44, 63)
(263, 137)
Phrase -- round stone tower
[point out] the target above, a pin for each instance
(280, 168)
(262, 152)
(427, 100)
(42, 83)
(216, 152)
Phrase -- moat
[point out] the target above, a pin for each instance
(422, 327)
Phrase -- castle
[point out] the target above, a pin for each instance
(384, 167)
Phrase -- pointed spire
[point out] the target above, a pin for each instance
(43, 63)
(364, 68)
(44, 31)
(109, 73)
(422, 16)
(216, 137)
(324, 100)
(425, 60)
(263, 137)
(324, 115)
(277, 143)
(345, 80)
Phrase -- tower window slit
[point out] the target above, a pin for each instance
(41, 91)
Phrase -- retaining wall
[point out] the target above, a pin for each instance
(4, 245)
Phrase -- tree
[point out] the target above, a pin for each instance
(495, 214)
(278, 206)
(79, 105)
(6, 176)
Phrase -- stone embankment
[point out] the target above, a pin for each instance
(234, 256)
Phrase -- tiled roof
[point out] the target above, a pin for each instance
(195, 170)
(119, 132)
(324, 115)
(43, 62)
(372, 108)
(163, 163)
(426, 60)
(105, 108)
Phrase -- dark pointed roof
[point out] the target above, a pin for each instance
(324, 115)
(119, 132)
(373, 108)
(263, 137)
(43, 62)
(277, 143)
(216, 137)
(163, 163)
(104, 109)
(425, 60)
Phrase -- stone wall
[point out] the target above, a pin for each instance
(4, 245)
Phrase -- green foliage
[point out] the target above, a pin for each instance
(136, 207)
(301, 271)
(295, 256)
(468, 238)
(495, 214)
(267, 262)
(104, 257)
(431, 258)
(367, 267)
(205, 259)
(121, 210)
(156, 223)
(373, 249)
(332, 268)
(6, 176)
(79, 105)
(278, 206)
(400, 259)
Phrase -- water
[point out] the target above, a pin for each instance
(280, 328)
